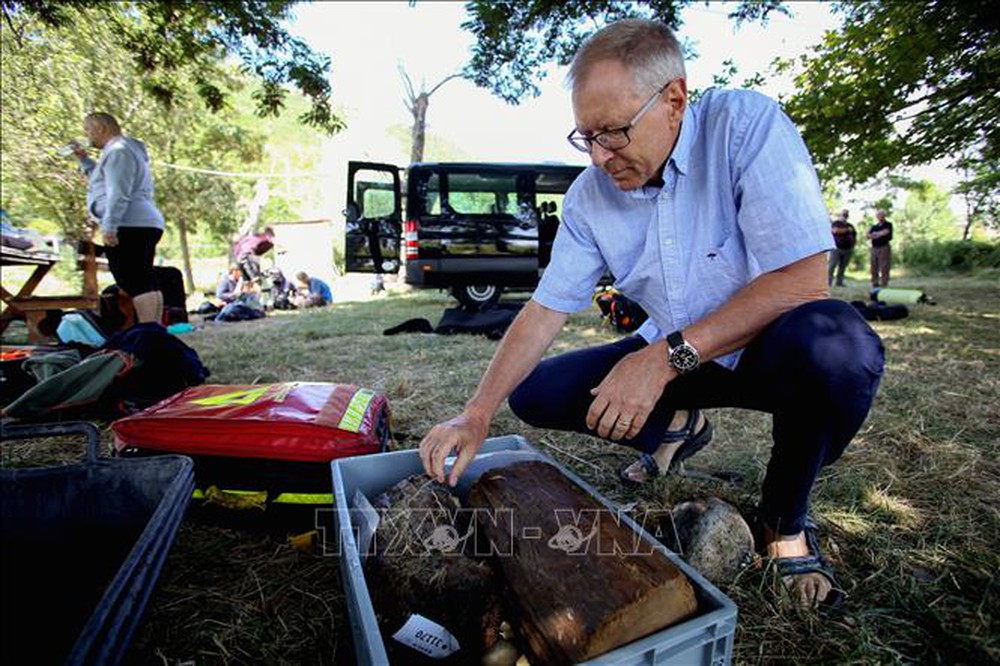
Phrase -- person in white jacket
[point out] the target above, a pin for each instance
(120, 198)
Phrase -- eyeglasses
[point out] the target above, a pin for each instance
(615, 138)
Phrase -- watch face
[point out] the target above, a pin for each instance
(684, 358)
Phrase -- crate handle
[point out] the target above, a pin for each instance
(88, 430)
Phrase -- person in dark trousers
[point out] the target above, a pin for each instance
(682, 204)
(120, 197)
(845, 237)
(880, 234)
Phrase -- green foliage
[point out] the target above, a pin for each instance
(901, 83)
(53, 76)
(516, 38)
(178, 46)
(961, 256)
(277, 209)
(924, 216)
(50, 80)
(981, 189)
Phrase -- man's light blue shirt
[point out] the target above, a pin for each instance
(740, 198)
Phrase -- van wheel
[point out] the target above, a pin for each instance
(477, 296)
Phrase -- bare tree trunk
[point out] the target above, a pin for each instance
(970, 217)
(417, 105)
(182, 236)
(418, 132)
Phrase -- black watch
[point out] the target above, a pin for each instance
(682, 356)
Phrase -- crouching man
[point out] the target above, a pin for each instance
(710, 216)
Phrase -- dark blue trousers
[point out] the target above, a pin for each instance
(815, 369)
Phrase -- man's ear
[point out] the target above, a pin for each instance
(676, 94)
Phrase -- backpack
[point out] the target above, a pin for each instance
(619, 311)
(878, 311)
(164, 365)
(82, 327)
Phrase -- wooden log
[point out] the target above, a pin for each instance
(584, 582)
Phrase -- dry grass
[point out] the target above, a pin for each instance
(910, 513)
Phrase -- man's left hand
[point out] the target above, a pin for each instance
(627, 395)
(110, 238)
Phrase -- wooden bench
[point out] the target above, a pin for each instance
(33, 308)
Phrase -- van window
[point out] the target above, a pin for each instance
(430, 194)
(482, 194)
(374, 193)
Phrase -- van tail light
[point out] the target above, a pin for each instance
(410, 234)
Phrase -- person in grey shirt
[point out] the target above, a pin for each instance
(120, 198)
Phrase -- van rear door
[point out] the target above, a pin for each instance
(374, 228)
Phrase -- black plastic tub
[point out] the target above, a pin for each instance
(81, 548)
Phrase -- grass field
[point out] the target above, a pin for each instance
(910, 514)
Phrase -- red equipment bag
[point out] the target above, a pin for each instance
(297, 421)
(261, 453)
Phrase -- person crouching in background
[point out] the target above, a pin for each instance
(313, 292)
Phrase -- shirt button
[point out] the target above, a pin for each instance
(669, 242)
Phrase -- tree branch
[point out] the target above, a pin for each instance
(446, 79)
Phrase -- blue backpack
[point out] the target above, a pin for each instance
(77, 327)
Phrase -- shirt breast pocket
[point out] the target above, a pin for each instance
(721, 271)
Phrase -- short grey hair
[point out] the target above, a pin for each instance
(105, 120)
(647, 48)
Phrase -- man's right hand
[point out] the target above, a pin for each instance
(464, 434)
(78, 150)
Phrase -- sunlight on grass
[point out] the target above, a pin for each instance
(909, 515)
(880, 502)
(851, 523)
(902, 331)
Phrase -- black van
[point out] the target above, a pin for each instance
(474, 229)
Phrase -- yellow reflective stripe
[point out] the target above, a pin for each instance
(303, 498)
(283, 498)
(232, 398)
(355, 412)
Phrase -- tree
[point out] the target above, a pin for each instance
(925, 215)
(515, 38)
(55, 75)
(190, 198)
(417, 103)
(173, 44)
(981, 191)
(50, 80)
(900, 83)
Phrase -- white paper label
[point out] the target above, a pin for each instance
(427, 637)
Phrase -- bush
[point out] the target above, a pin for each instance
(961, 256)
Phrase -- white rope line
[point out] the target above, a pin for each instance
(243, 174)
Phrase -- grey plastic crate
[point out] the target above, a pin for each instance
(704, 639)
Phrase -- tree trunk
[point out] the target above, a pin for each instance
(419, 127)
(584, 582)
(970, 217)
(182, 236)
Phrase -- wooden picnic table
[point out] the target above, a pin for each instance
(33, 308)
